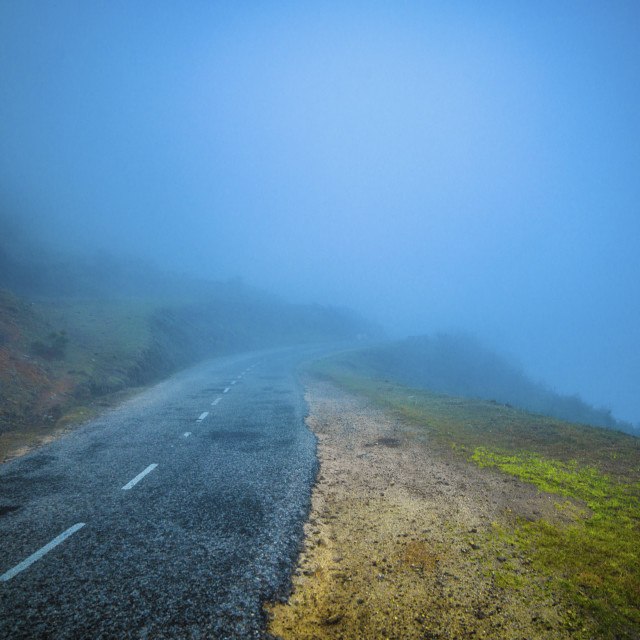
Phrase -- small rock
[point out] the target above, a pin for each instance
(333, 619)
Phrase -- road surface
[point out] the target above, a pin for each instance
(174, 516)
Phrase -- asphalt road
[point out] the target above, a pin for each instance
(97, 542)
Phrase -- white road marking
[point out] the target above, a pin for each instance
(187, 434)
(139, 477)
(215, 402)
(227, 389)
(203, 415)
(234, 381)
(38, 554)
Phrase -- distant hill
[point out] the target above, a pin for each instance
(460, 365)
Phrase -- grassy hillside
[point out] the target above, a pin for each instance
(593, 473)
(459, 365)
(59, 361)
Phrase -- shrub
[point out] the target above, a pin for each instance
(53, 347)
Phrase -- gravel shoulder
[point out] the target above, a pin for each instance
(404, 540)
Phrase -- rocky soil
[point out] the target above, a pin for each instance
(403, 540)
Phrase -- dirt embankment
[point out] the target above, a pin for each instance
(402, 540)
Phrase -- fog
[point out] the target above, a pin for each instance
(453, 166)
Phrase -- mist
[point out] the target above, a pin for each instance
(460, 167)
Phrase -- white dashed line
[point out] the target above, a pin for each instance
(215, 402)
(227, 389)
(187, 434)
(203, 415)
(139, 477)
(234, 381)
(38, 554)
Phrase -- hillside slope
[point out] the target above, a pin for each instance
(460, 365)
(62, 358)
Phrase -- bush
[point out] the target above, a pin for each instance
(54, 346)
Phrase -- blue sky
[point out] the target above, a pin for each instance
(434, 165)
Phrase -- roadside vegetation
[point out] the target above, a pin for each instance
(593, 473)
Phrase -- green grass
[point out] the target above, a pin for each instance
(594, 560)
(100, 330)
(105, 339)
(599, 556)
